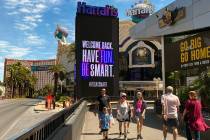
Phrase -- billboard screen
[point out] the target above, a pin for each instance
(97, 39)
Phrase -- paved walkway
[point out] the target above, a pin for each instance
(152, 129)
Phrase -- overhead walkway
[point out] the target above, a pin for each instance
(152, 129)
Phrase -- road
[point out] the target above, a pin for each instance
(11, 112)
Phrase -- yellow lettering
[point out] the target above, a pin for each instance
(184, 57)
(199, 42)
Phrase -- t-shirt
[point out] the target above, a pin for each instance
(171, 102)
(142, 104)
(103, 101)
(105, 119)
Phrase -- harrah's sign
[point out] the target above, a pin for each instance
(107, 11)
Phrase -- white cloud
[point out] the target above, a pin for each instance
(34, 40)
(24, 10)
(22, 26)
(18, 52)
(9, 50)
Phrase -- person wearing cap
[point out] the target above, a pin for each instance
(171, 105)
(122, 114)
(103, 100)
(139, 110)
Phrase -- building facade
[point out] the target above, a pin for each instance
(140, 60)
(39, 68)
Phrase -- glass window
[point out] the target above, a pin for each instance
(141, 56)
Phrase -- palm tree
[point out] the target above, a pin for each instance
(56, 69)
(71, 51)
(13, 77)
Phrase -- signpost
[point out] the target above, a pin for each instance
(97, 39)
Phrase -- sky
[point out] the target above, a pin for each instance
(27, 26)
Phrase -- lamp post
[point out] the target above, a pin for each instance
(157, 80)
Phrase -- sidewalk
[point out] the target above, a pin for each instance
(152, 129)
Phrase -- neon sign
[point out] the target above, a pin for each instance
(82, 8)
(97, 59)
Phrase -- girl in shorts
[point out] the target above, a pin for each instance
(123, 114)
(139, 111)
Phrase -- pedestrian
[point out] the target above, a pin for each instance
(122, 114)
(49, 100)
(193, 117)
(53, 101)
(139, 110)
(103, 100)
(171, 105)
(105, 122)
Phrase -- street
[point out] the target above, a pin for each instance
(11, 112)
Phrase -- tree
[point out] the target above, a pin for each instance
(71, 51)
(56, 69)
(20, 77)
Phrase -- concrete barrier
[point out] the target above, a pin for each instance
(73, 126)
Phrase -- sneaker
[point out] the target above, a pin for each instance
(164, 139)
(120, 134)
(106, 138)
(125, 137)
(100, 132)
(140, 136)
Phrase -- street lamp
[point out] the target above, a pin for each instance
(157, 80)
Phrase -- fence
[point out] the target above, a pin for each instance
(46, 128)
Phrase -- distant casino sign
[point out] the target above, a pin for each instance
(140, 11)
(108, 11)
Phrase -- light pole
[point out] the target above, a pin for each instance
(157, 80)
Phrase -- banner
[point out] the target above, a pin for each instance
(190, 52)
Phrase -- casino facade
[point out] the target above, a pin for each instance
(140, 61)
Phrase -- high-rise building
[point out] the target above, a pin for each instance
(39, 68)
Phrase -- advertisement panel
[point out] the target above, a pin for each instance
(190, 52)
(97, 39)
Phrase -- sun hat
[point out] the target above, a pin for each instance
(123, 94)
(139, 93)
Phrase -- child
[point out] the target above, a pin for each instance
(105, 123)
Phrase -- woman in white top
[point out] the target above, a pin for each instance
(122, 114)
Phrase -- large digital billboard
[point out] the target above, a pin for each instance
(187, 51)
(97, 39)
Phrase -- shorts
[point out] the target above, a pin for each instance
(138, 115)
(104, 130)
(100, 113)
(171, 122)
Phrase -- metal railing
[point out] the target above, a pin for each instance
(47, 128)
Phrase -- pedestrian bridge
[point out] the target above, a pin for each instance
(80, 123)
(152, 129)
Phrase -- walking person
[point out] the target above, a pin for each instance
(105, 122)
(139, 110)
(193, 117)
(122, 114)
(49, 100)
(103, 100)
(171, 105)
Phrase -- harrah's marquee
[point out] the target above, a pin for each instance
(97, 39)
(82, 8)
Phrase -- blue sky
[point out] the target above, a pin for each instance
(27, 26)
